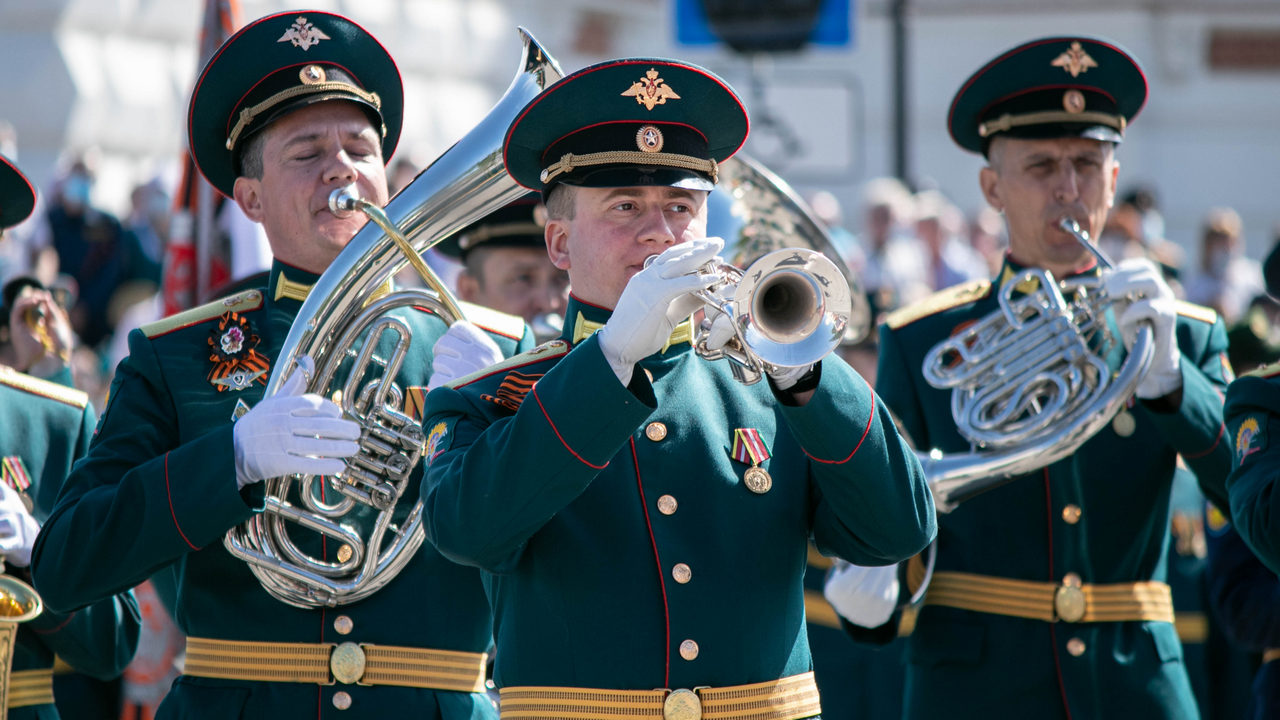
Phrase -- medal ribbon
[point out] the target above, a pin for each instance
(748, 446)
(14, 473)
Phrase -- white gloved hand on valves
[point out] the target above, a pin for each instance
(1150, 300)
(292, 432)
(462, 350)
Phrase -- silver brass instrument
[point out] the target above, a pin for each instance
(792, 305)
(1029, 381)
(344, 320)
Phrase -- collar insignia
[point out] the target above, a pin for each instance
(303, 34)
(1074, 60)
(286, 288)
(236, 362)
(651, 90)
(584, 328)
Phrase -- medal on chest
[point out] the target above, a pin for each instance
(749, 447)
(236, 363)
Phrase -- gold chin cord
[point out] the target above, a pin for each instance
(1030, 382)
(346, 325)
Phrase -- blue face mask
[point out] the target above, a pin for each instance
(75, 190)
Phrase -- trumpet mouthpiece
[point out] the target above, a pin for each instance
(344, 200)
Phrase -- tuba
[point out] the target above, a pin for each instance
(343, 320)
(792, 305)
(1029, 382)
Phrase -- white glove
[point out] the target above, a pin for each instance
(462, 350)
(655, 300)
(1151, 300)
(865, 596)
(17, 528)
(290, 432)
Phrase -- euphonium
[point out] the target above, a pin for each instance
(1029, 382)
(343, 320)
(792, 305)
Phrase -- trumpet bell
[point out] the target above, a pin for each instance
(794, 307)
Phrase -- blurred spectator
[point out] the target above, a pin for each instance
(1122, 236)
(1225, 280)
(895, 272)
(987, 238)
(1151, 222)
(826, 209)
(89, 245)
(147, 232)
(950, 259)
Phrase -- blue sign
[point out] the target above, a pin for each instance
(832, 28)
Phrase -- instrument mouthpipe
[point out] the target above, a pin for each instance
(1071, 226)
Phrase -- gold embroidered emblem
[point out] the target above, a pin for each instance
(1073, 101)
(303, 34)
(649, 139)
(651, 90)
(311, 74)
(1074, 60)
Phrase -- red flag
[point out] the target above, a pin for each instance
(191, 266)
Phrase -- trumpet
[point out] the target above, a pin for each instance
(789, 308)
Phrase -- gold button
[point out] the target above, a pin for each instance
(344, 553)
(1071, 514)
(343, 625)
(342, 700)
(655, 431)
(682, 573)
(667, 505)
(688, 650)
(1076, 647)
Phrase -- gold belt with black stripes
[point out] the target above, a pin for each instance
(326, 664)
(30, 687)
(1069, 601)
(789, 698)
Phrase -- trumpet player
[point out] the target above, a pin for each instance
(1051, 587)
(641, 518)
(292, 107)
(44, 428)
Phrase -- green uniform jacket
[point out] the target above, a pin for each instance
(614, 527)
(46, 427)
(158, 492)
(1253, 419)
(1121, 486)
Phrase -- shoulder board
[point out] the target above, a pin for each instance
(43, 388)
(1264, 371)
(1197, 312)
(545, 351)
(945, 299)
(493, 320)
(240, 302)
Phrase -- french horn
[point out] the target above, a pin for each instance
(789, 304)
(343, 320)
(1029, 382)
